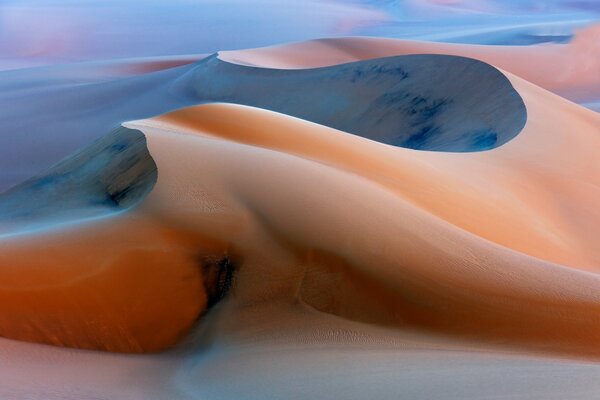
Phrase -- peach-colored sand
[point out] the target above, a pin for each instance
(475, 244)
(362, 269)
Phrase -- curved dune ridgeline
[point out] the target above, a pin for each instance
(47, 119)
(112, 175)
(415, 101)
(424, 102)
(364, 235)
(411, 224)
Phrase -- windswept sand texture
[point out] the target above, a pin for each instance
(337, 219)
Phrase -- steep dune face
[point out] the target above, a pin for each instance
(419, 101)
(109, 176)
(44, 117)
(49, 120)
(472, 244)
(51, 115)
(518, 195)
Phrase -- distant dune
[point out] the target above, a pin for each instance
(566, 69)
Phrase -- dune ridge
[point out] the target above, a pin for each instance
(80, 268)
(60, 109)
(566, 69)
(408, 209)
(425, 102)
(111, 175)
(255, 243)
(393, 256)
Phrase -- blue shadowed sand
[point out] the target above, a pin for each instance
(109, 176)
(423, 102)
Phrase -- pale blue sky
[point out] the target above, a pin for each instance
(34, 32)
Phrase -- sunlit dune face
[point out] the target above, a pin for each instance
(125, 288)
(124, 285)
(352, 214)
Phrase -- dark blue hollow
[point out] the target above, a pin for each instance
(424, 102)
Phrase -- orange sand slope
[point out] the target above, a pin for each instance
(79, 270)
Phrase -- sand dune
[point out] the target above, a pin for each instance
(414, 112)
(495, 206)
(388, 209)
(51, 115)
(287, 238)
(72, 256)
(110, 176)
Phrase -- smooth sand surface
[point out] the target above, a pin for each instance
(100, 286)
(485, 219)
(360, 269)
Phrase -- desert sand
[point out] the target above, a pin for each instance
(291, 259)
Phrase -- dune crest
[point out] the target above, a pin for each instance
(111, 175)
(424, 102)
(356, 191)
(236, 242)
(566, 69)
